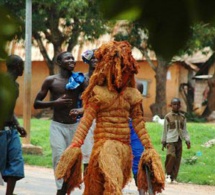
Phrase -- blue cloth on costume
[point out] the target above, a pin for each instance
(137, 148)
(75, 80)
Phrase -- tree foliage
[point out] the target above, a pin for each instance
(62, 23)
(203, 35)
(168, 22)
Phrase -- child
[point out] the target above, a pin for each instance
(174, 132)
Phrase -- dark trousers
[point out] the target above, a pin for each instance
(173, 159)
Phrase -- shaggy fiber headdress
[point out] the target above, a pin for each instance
(114, 58)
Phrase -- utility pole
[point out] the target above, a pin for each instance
(27, 72)
(27, 147)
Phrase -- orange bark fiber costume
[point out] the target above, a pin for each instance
(111, 98)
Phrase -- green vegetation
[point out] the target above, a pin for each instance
(40, 137)
(197, 163)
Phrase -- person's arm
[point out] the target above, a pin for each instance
(38, 102)
(139, 125)
(75, 112)
(20, 129)
(163, 139)
(149, 157)
(186, 135)
(85, 123)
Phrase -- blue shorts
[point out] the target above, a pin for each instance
(11, 161)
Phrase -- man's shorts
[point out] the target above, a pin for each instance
(11, 161)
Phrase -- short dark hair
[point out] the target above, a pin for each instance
(60, 56)
(175, 100)
(13, 60)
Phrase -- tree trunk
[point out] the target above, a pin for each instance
(159, 107)
(44, 53)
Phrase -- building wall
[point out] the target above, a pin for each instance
(200, 86)
(146, 75)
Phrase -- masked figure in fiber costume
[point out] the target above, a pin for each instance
(111, 98)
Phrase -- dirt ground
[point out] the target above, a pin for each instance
(40, 181)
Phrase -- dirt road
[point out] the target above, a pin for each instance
(40, 181)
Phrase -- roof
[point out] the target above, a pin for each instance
(18, 47)
(198, 57)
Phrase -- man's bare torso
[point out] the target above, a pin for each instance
(57, 89)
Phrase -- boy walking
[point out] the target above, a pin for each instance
(174, 132)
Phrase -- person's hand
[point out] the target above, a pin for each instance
(22, 131)
(63, 100)
(188, 144)
(163, 145)
(76, 111)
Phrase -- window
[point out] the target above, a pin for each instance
(145, 86)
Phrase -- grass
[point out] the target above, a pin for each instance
(197, 164)
(40, 137)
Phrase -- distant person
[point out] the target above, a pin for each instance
(175, 130)
(11, 160)
(65, 89)
(89, 58)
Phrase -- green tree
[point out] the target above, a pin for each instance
(61, 23)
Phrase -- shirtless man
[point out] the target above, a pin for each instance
(65, 89)
(11, 160)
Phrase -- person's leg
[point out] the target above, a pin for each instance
(141, 192)
(63, 190)
(170, 159)
(135, 178)
(58, 145)
(137, 150)
(11, 183)
(3, 146)
(178, 160)
(85, 168)
(86, 148)
(15, 163)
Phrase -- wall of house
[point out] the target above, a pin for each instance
(175, 74)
